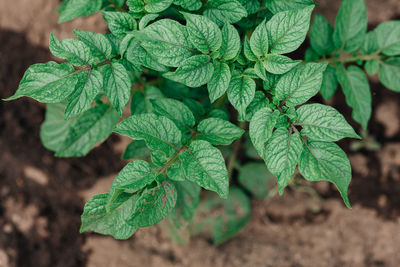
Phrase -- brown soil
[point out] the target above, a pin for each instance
(41, 197)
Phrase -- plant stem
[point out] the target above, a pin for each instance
(342, 59)
(235, 151)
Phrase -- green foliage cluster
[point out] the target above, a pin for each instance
(168, 74)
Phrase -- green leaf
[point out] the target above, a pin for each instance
(372, 67)
(100, 47)
(310, 55)
(48, 83)
(176, 111)
(117, 85)
(146, 20)
(218, 131)
(136, 150)
(141, 101)
(251, 6)
(287, 30)
(321, 36)
(389, 73)
(196, 108)
(132, 178)
(259, 70)
(137, 55)
(89, 85)
(166, 40)
(259, 101)
(355, 87)
(150, 6)
(322, 161)
(230, 46)
(153, 205)
(351, 25)
(203, 164)
(219, 81)
(278, 64)
(203, 33)
(276, 6)
(370, 44)
(256, 178)
(282, 153)
(226, 217)
(193, 72)
(75, 51)
(191, 5)
(323, 123)
(92, 127)
(95, 216)
(119, 23)
(188, 198)
(54, 129)
(159, 133)
(388, 37)
(248, 53)
(259, 40)
(300, 84)
(261, 127)
(270, 83)
(241, 92)
(329, 83)
(224, 11)
(79, 8)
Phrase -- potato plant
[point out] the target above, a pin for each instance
(187, 79)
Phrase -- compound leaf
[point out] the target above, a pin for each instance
(276, 6)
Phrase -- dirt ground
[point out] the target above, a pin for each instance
(41, 197)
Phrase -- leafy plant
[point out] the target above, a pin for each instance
(182, 64)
